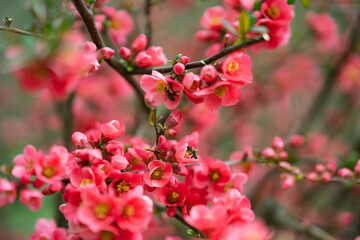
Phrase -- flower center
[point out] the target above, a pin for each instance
(220, 91)
(101, 210)
(122, 187)
(128, 211)
(172, 197)
(273, 12)
(116, 24)
(157, 174)
(161, 86)
(106, 235)
(214, 175)
(48, 172)
(232, 67)
(86, 181)
(215, 21)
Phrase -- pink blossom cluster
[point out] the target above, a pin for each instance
(275, 15)
(322, 172)
(349, 173)
(216, 86)
(61, 72)
(109, 186)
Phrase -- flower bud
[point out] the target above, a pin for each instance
(173, 119)
(313, 177)
(125, 53)
(357, 167)
(105, 53)
(268, 152)
(143, 60)
(79, 139)
(326, 177)
(171, 211)
(319, 168)
(119, 162)
(89, 47)
(184, 60)
(345, 173)
(208, 73)
(296, 141)
(139, 43)
(287, 180)
(179, 68)
(283, 155)
(170, 133)
(113, 129)
(278, 143)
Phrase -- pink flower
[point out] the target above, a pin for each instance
(87, 177)
(47, 229)
(240, 4)
(79, 139)
(278, 11)
(207, 219)
(172, 196)
(157, 55)
(121, 26)
(222, 93)
(113, 129)
(143, 60)
(325, 30)
(97, 211)
(349, 77)
(7, 192)
(31, 198)
(125, 53)
(179, 68)
(134, 210)
(287, 180)
(159, 174)
(279, 34)
(163, 90)
(186, 151)
(213, 174)
(212, 18)
(50, 169)
(256, 230)
(124, 183)
(237, 68)
(24, 164)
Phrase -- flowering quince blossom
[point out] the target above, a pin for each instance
(47, 229)
(7, 192)
(162, 89)
(31, 198)
(159, 174)
(237, 68)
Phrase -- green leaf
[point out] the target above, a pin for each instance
(237, 42)
(305, 3)
(244, 24)
(291, 2)
(178, 56)
(253, 20)
(130, 68)
(190, 232)
(229, 27)
(257, 6)
(203, 62)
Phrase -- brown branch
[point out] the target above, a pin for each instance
(88, 18)
(178, 217)
(200, 63)
(148, 29)
(21, 32)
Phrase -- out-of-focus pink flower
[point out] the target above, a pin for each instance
(143, 60)
(159, 174)
(31, 198)
(279, 34)
(47, 229)
(325, 30)
(349, 77)
(212, 18)
(25, 163)
(7, 192)
(278, 11)
(121, 25)
(240, 4)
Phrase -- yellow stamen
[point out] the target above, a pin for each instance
(48, 172)
(157, 174)
(232, 67)
(101, 210)
(128, 211)
(273, 12)
(172, 197)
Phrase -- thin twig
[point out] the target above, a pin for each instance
(88, 18)
(21, 32)
(148, 29)
(200, 63)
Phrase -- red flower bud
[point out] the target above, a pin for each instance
(173, 119)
